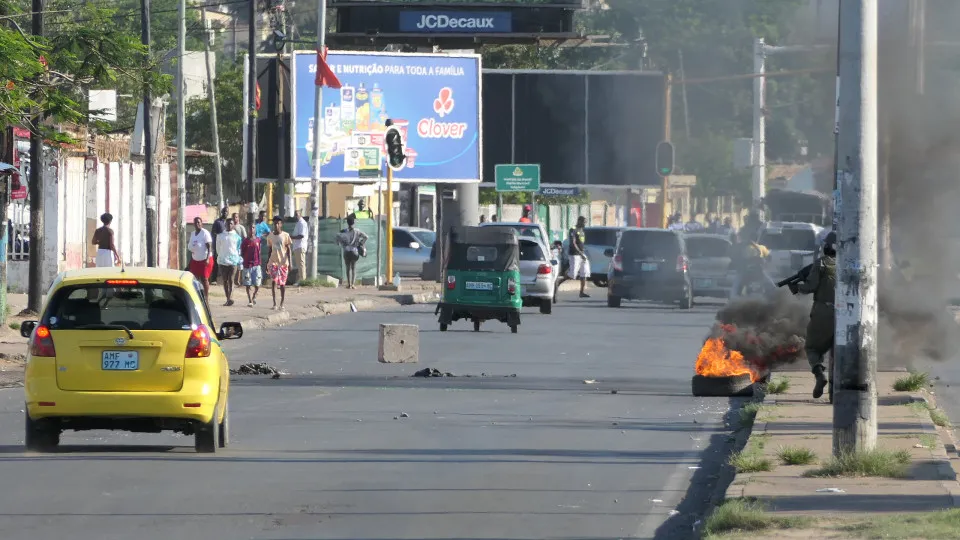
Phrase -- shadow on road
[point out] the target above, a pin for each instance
(709, 483)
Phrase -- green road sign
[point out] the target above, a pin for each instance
(518, 177)
(369, 173)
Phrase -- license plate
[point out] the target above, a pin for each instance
(704, 283)
(121, 360)
(479, 286)
(649, 267)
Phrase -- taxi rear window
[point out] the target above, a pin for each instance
(136, 307)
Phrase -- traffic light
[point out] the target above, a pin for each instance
(395, 157)
(665, 155)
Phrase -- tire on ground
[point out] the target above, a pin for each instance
(738, 385)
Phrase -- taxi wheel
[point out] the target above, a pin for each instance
(207, 437)
(224, 428)
(39, 438)
(476, 325)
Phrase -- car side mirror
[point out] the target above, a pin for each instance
(27, 327)
(415, 245)
(608, 252)
(230, 330)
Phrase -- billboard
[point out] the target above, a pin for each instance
(433, 98)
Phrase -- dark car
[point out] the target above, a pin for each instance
(650, 264)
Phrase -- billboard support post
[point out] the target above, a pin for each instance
(317, 161)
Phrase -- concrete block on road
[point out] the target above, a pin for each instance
(399, 344)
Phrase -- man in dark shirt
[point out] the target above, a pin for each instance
(219, 226)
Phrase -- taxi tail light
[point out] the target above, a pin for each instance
(544, 269)
(199, 344)
(451, 282)
(682, 263)
(511, 286)
(42, 342)
(618, 263)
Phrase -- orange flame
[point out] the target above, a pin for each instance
(716, 360)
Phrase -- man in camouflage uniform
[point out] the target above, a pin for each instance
(821, 282)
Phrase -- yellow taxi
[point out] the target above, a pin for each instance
(130, 349)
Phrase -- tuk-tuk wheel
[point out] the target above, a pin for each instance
(443, 327)
(476, 325)
(513, 329)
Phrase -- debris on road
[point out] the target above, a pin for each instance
(432, 372)
(614, 392)
(353, 307)
(830, 490)
(404, 415)
(589, 381)
(256, 369)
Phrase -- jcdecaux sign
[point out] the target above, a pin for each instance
(456, 22)
(434, 99)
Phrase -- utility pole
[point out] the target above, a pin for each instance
(667, 110)
(150, 199)
(315, 184)
(35, 288)
(181, 132)
(212, 96)
(252, 114)
(683, 93)
(281, 134)
(759, 184)
(855, 397)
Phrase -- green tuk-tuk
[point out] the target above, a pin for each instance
(481, 277)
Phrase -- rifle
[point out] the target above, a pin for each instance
(801, 275)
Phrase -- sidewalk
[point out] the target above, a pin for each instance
(787, 504)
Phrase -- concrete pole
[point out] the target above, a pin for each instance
(855, 393)
(150, 202)
(759, 127)
(667, 133)
(315, 185)
(181, 133)
(35, 186)
(252, 114)
(211, 94)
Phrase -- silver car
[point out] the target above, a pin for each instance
(537, 275)
(411, 248)
(710, 256)
(527, 230)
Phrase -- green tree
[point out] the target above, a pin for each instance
(229, 90)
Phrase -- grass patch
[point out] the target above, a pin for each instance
(939, 524)
(795, 455)
(928, 440)
(911, 383)
(316, 283)
(15, 325)
(882, 463)
(750, 460)
(749, 412)
(741, 515)
(778, 386)
(939, 417)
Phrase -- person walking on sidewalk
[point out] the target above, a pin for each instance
(821, 282)
(107, 255)
(219, 226)
(201, 259)
(352, 241)
(299, 237)
(228, 257)
(242, 231)
(252, 273)
(279, 263)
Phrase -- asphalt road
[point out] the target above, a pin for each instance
(522, 448)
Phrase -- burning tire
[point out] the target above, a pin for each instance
(735, 385)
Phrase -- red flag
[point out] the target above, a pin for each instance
(325, 75)
(258, 96)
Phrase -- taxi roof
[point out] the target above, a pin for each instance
(160, 276)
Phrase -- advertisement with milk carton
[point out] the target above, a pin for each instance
(434, 99)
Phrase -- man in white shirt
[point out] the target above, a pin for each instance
(299, 236)
(201, 255)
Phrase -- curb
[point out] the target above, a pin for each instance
(325, 309)
(947, 476)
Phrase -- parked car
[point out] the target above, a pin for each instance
(710, 258)
(598, 241)
(537, 275)
(130, 349)
(649, 264)
(411, 248)
(530, 230)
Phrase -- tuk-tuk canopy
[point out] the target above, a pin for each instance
(483, 249)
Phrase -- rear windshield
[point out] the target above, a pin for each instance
(789, 239)
(650, 244)
(601, 237)
(141, 307)
(481, 253)
(701, 248)
(531, 231)
(530, 251)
